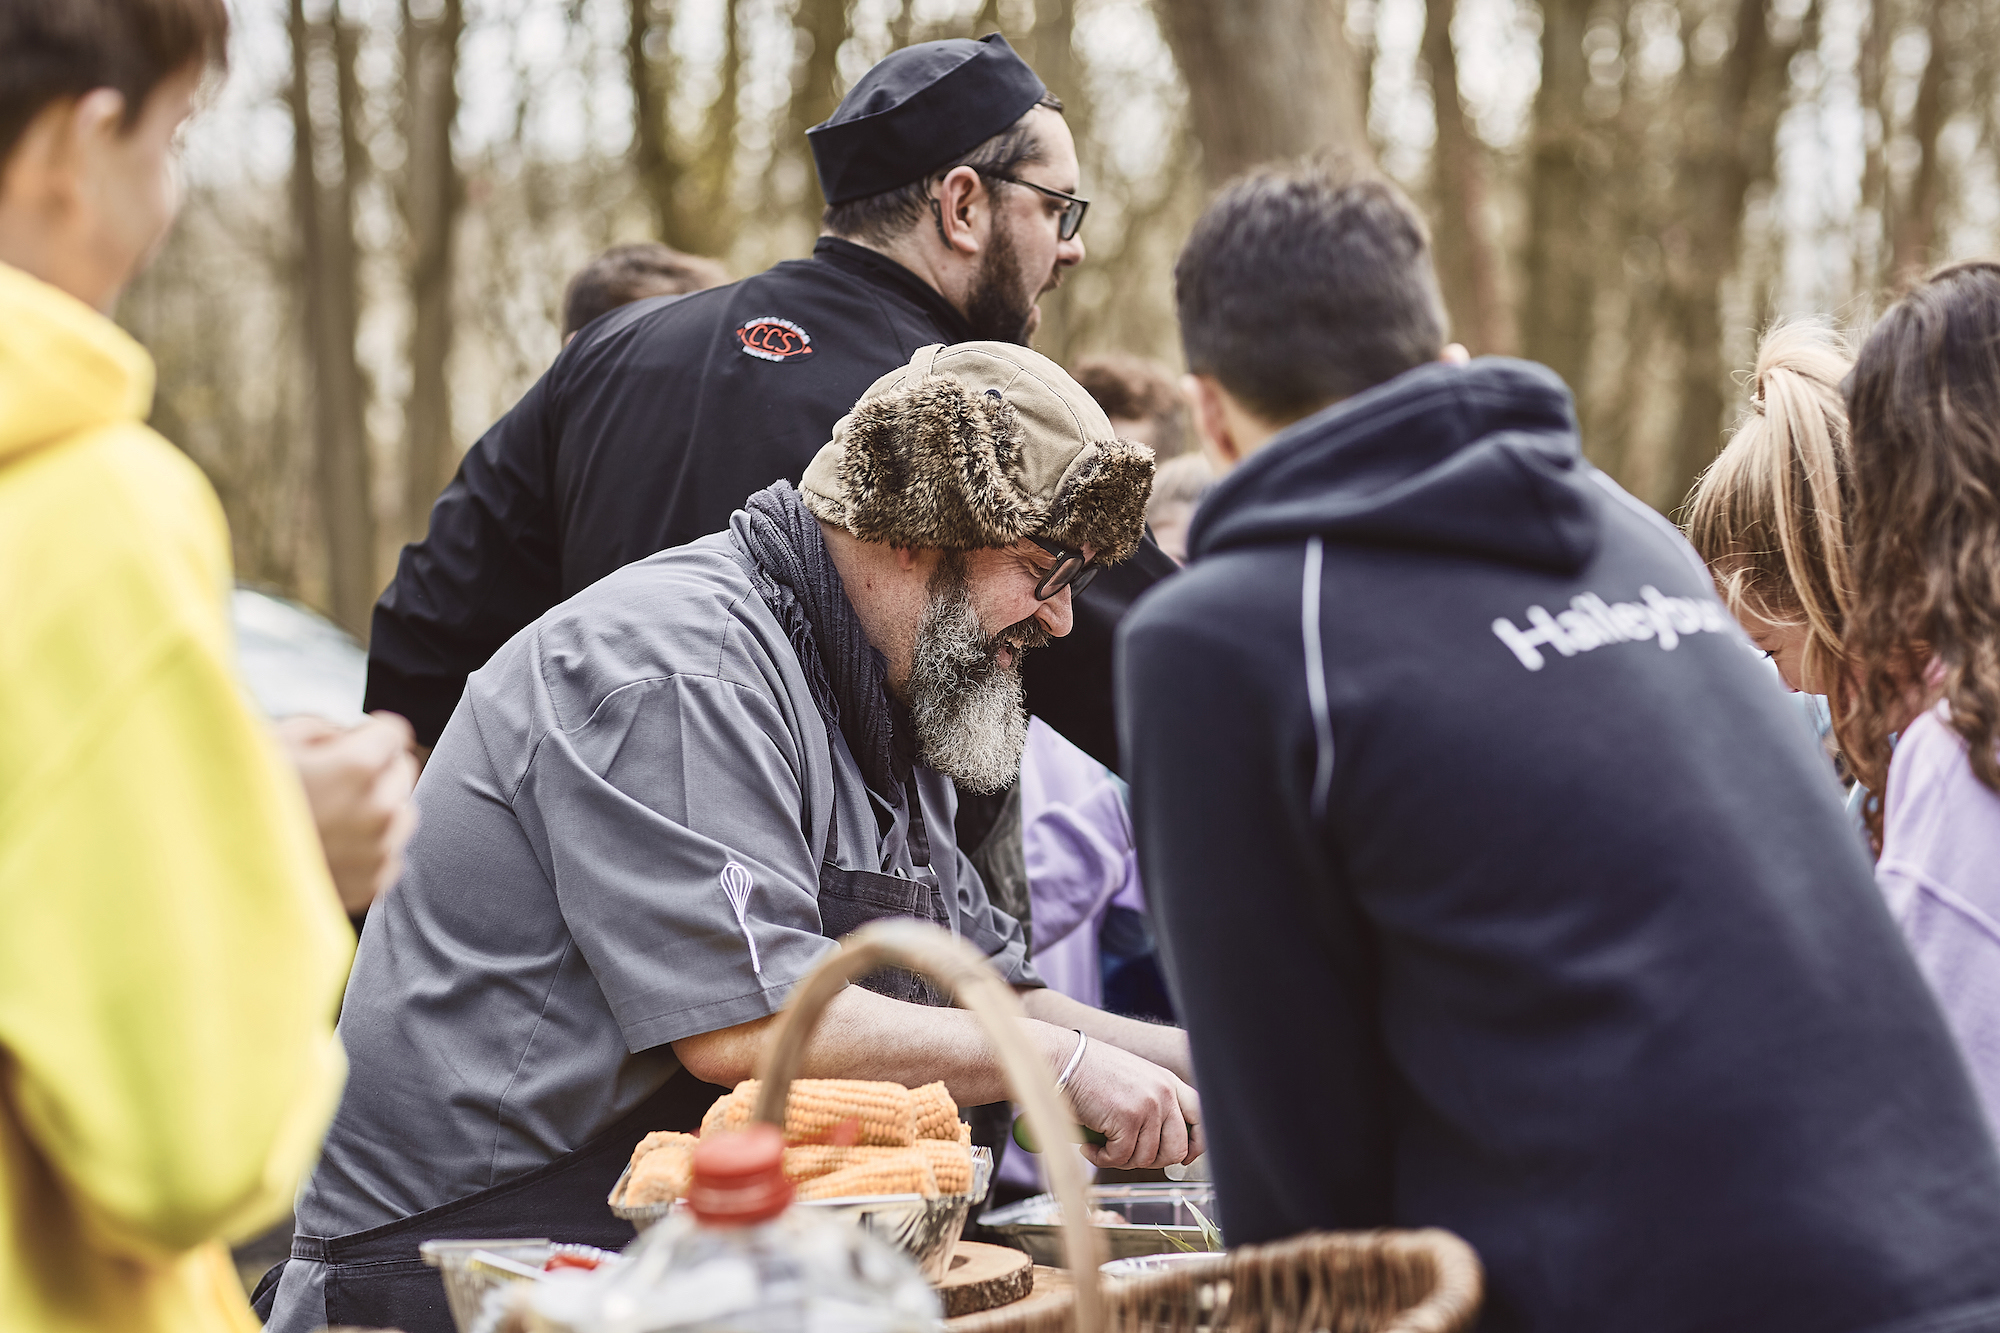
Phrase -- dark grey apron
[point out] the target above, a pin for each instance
(850, 899)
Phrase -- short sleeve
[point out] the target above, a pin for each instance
(674, 825)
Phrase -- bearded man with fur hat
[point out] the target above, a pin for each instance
(660, 804)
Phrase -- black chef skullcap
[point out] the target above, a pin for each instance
(916, 110)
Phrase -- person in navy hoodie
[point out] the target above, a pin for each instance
(1500, 890)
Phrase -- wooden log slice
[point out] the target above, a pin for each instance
(1047, 1309)
(983, 1277)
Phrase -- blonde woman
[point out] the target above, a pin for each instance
(1770, 514)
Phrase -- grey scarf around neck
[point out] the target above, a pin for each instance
(784, 552)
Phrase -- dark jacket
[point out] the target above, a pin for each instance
(648, 431)
(1501, 891)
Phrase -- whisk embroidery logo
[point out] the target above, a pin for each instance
(737, 884)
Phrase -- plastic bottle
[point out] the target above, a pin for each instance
(739, 1259)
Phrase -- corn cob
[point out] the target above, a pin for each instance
(809, 1160)
(662, 1175)
(732, 1110)
(820, 1110)
(903, 1172)
(661, 1138)
(936, 1113)
(951, 1163)
(964, 1134)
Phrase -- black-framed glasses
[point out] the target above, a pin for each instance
(1072, 571)
(1074, 208)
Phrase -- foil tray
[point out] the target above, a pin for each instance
(1134, 1220)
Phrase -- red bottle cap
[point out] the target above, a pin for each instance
(739, 1179)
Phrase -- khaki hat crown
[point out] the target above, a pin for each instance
(979, 445)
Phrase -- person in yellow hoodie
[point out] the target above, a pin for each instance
(171, 946)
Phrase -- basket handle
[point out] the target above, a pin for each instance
(962, 971)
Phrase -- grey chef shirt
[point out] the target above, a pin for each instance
(563, 918)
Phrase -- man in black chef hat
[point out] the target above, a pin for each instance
(951, 185)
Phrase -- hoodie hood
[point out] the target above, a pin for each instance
(64, 368)
(1480, 460)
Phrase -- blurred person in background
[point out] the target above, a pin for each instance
(1443, 748)
(1142, 398)
(951, 183)
(1178, 487)
(627, 273)
(358, 780)
(173, 950)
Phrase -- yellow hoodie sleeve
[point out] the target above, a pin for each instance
(172, 952)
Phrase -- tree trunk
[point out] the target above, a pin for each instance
(1916, 218)
(710, 223)
(823, 26)
(1730, 147)
(1267, 80)
(1557, 305)
(325, 219)
(1872, 217)
(432, 194)
(1467, 257)
(654, 161)
(1049, 49)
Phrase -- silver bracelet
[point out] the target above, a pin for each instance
(1075, 1059)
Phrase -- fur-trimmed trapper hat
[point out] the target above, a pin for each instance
(978, 445)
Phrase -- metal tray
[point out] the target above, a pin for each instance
(925, 1229)
(1145, 1265)
(1150, 1219)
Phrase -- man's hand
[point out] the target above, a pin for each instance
(1144, 1112)
(358, 782)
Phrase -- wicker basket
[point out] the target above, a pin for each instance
(1341, 1282)
(1347, 1282)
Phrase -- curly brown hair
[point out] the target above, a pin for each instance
(1923, 408)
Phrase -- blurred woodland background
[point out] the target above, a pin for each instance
(387, 196)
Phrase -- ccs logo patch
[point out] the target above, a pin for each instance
(769, 338)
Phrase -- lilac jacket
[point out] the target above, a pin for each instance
(1940, 872)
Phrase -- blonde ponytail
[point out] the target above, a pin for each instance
(1770, 514)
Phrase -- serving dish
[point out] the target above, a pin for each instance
(1134, 1220)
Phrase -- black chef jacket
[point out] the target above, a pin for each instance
(649, 430)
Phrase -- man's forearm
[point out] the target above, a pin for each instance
(869, 1036)
(1164, 1046)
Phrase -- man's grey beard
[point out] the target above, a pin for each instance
(968, 709)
